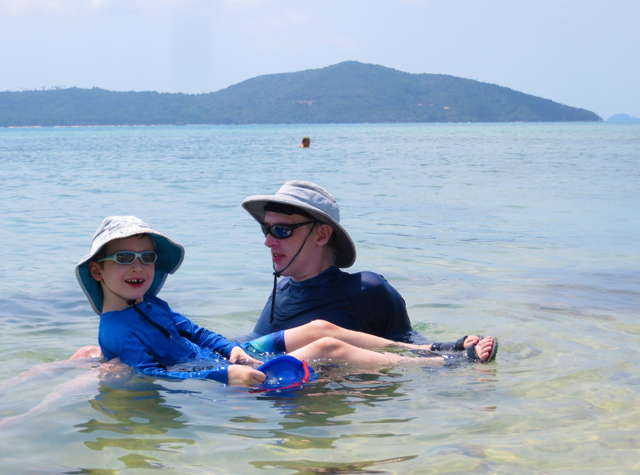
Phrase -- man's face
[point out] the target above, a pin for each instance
(131, 281)
(283, 250)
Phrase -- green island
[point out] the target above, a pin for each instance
(348, 92)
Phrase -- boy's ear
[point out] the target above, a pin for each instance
(94, 269)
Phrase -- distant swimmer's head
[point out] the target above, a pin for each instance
(306, 202)
(306, 142)
(129, 258)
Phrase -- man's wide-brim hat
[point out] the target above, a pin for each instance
(315, 201)
(170, 255)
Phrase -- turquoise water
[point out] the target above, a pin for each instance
(527, 232)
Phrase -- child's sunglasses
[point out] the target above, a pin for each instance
(282, 231)
(129, 257)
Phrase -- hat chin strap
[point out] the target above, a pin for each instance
(277, 274)
(132, 302)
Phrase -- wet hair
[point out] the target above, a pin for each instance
(286, 209)
(332, 245)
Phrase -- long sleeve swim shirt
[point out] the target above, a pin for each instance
(138, 343)
(363, 302)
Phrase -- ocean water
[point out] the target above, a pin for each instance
(526, 232)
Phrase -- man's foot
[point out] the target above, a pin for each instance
(467, 341)
(484, 351)
(460, 345)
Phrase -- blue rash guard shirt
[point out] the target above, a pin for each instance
(363, 302)
(128, 335)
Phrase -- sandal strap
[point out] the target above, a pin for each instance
(449, 346)
(472, 355)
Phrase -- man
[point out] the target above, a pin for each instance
(301, 224)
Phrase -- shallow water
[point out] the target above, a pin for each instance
(527, 232)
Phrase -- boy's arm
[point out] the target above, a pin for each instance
(151, 368)
(146, 364)
(133, 352)
(202, 337)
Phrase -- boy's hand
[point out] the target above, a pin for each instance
(244, 376)
(239, 356)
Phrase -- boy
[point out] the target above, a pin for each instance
(126, 268)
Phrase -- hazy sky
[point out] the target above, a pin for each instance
(583, 53)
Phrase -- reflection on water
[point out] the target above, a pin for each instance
(314, 418)
(134, 410)
(315, 412)
(302, 467)
(135, 407)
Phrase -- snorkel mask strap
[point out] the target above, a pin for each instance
(277, 274)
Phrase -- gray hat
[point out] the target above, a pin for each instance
(170, 255)
(315, 201)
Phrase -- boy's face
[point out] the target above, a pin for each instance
(124, 282)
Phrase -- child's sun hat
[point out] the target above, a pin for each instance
(170, 255)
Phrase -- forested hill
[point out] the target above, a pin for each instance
(348, 92)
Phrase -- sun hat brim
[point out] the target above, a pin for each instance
(170, 255)
(312, 199)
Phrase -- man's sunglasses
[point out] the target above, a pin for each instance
(129, 257)
(282, 231)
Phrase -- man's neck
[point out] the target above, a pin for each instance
(316, 271)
